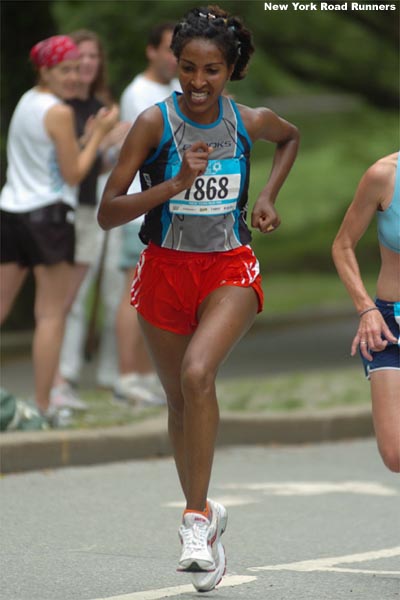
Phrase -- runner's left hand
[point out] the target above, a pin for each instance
(264, 216)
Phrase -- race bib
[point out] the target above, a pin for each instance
(216, 192)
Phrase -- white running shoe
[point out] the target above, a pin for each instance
(205, 582)
(64, 396)
(134, 388)
(196, 533)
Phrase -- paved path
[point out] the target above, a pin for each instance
(305, 523)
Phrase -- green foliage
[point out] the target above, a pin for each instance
(326, 50)
(335, 151)
(349, 50)
(123, 27)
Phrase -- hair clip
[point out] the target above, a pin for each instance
(207, 16)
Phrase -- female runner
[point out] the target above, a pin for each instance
(197, 287)
(378, 334)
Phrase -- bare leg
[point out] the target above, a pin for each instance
(167, 351)
(132, 351)
(52, 286)
(385, 386)
(78, 274)
(12, 276)
(224, 318)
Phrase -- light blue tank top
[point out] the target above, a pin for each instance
(389, 219)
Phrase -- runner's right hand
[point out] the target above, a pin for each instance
(194, 164)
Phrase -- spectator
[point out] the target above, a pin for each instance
(90, 244)
(137, 381)
(37, 202)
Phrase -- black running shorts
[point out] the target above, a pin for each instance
(45, 236)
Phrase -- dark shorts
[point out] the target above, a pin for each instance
(45, 236)
(169, 285)
(389, 358)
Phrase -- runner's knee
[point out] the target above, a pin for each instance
(197, 380)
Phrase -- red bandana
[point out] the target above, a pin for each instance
(53, 50)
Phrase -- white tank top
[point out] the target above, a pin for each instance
(33, 179)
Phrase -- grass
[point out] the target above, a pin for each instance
(103, 411)
(288, 393)
(316, 390)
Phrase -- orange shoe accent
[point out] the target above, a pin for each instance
(205, 513)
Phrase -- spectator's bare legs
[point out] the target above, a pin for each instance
(132, 351)
(78, 274)
(52, 287)
(187, 367)
(12, 276)
(385, 386)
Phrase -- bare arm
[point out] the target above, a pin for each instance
(117, 207)
(367, 199)
(111, 145)
(75, 162)
(263, 124)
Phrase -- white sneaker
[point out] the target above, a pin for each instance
(134, 388)
(196, 533)
(58, 418)
(64, 396)
(205, 582)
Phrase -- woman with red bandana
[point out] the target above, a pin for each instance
(91, 95)
(45, 164)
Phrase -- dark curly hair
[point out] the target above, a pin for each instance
(227, 32)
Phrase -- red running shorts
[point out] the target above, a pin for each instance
(170, 285)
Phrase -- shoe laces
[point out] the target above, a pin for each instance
(195, 536)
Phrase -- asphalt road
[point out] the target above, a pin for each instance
(264, 350)
(305, 523)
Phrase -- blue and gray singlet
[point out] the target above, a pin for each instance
(211, 215)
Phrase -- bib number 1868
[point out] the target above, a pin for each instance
(214, 193)
(210, 188)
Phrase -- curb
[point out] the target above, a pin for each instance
(30, 451)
